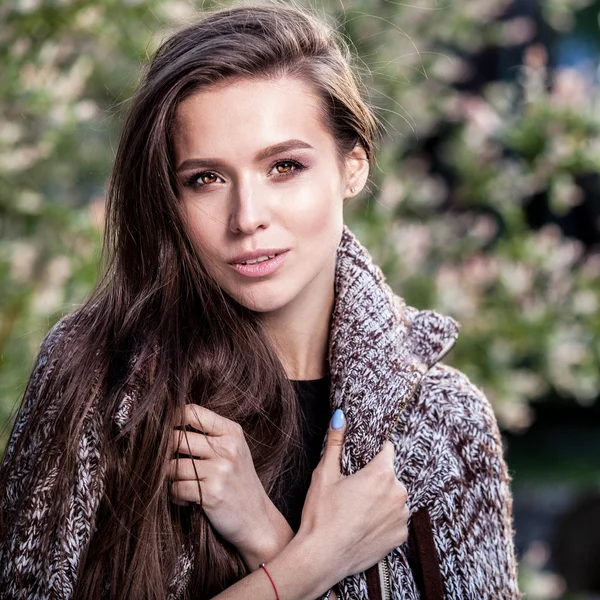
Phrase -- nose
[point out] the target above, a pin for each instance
(250, 210)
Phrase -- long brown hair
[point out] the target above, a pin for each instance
(158, 329)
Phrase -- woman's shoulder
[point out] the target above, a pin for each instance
(447, 436)
(49, 354)
(449, 415)
(59, 333)
(449, 395)
(63, 333)
(52, 352)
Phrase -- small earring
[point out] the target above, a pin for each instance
(353, 189)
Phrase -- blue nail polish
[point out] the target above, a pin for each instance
(338, 419)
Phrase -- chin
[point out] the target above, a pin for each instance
(262, 301)
(261, 305)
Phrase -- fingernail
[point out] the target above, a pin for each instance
(338, 419)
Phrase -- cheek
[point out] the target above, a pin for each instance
(319, 210)
(194, 227)
(204, 232)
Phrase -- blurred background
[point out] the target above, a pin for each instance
(485, 205)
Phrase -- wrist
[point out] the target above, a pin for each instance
(309, 555)
(330, 565)
(269, 539)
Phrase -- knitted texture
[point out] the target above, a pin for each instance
(386, 374)
(48, 570)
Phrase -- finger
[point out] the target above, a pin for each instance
(180, 502)
(204, 420)
(383, 464)
(333, 449)
(187, 469)
(191, 443)
(386, 456)
(186, 491)
(388, 452)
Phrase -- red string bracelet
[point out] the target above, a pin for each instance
(262, 566)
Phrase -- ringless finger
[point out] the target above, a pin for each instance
(188, 469)
(186, 491)
(388, 450)
(204, 420)
(192, 444)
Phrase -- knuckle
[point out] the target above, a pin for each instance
(174, 468)
(192, 416)
(213, 492)
(237, 430)
(228, 447)
(336, 443)
(335, 437)
(389, 452)
(388, 478)
(387, 449)
(405, 513)
(223, 469)
(385, 471)
(188, 412)
(183, 441)
(175, 489)
(402, 492)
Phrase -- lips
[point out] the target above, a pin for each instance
(255, 256)
(260, 263)
(257, 260)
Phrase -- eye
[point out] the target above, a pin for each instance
(199, 180)
(207, 178)
(288, 167)
(284, 167)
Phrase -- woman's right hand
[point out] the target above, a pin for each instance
(348, 525)
(359, 518)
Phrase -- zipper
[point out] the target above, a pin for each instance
(384, 579)
(383, 567)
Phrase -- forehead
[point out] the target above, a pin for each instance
(242, 116)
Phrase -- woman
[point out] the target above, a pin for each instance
(169, 430)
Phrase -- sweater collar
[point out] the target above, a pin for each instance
(379, 351)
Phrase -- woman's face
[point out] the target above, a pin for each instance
(259, 176)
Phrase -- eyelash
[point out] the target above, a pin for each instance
(193, 180)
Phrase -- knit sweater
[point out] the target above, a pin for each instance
(387, 375)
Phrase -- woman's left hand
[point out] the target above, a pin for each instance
(217, 471)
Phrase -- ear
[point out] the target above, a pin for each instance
(357, 171)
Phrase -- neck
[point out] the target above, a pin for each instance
(299, 331)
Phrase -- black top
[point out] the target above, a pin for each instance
(313, 398)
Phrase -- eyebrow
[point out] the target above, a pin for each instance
(287, 146)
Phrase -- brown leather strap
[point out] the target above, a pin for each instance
(373, 583)
(426, 570)
(427, 567)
